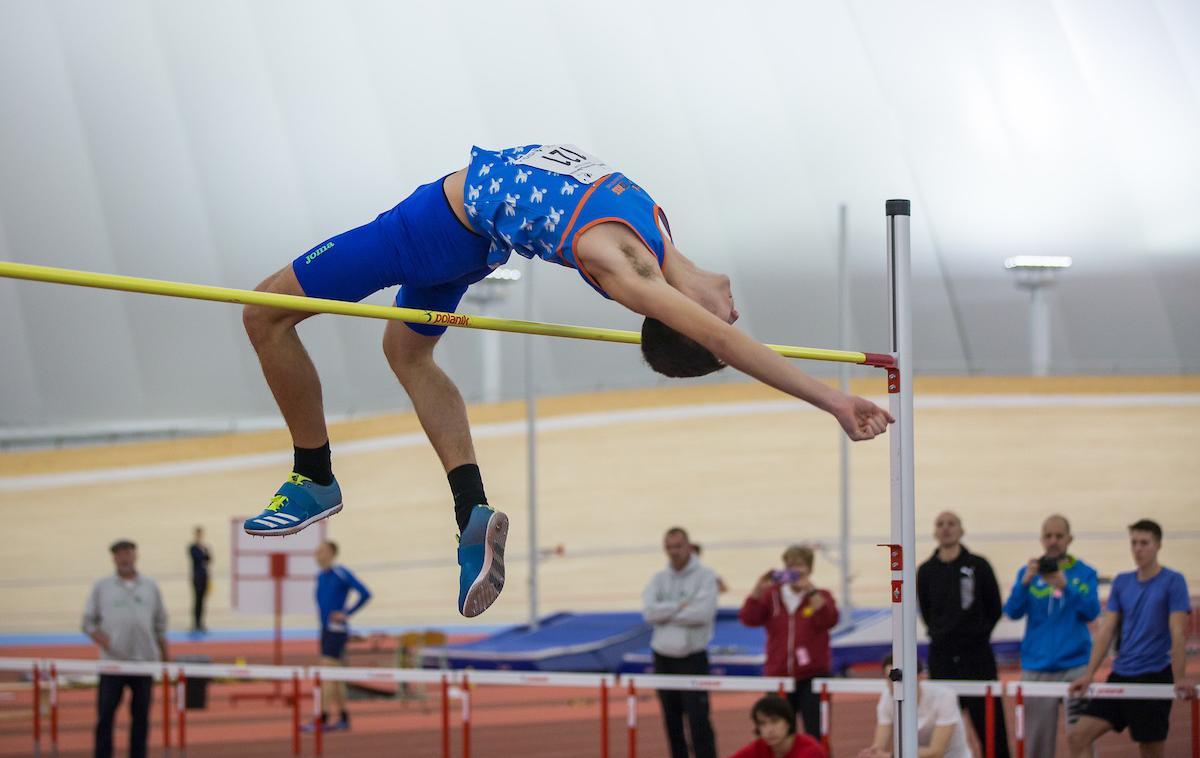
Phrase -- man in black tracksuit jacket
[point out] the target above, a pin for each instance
(960, 605)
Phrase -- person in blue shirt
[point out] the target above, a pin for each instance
(334, 584)
(552, 202)
(1056, 593)
(1149, 607)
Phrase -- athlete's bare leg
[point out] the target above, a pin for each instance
(289, 371)
(1083, 733)
(436, 399)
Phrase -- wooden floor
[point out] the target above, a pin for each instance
(743, 469)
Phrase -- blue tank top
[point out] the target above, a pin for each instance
(536, 200)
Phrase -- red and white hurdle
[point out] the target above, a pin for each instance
(45, 676)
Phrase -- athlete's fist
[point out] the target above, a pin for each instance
(861, 419)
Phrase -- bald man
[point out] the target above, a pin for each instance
(1056, 594)
(960, 605)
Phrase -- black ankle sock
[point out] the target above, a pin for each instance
(467, 488)
(345, 717)
(314, 463)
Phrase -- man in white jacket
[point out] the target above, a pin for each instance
(681, 603)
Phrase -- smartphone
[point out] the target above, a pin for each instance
(1047, 565)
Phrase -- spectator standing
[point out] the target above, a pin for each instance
(960, 605)
(200, 556)
(126, 618)
(1150, 607)
(334, 584)
(681, 602)
(797, 617)
(1056, 593)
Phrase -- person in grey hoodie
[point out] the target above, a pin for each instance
(681, 602)
(126, 618)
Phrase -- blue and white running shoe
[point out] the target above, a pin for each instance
(299, 502)
(481, 560)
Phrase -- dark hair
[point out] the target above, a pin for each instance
(1146, 525)
(678, 530)
(673, 354)
(774, 707)
(332, 546)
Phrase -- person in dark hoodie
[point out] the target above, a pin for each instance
(960, 605)
(797, 617)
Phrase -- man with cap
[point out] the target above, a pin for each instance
(126, 618)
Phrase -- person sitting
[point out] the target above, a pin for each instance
(775, 727)
(940, 730)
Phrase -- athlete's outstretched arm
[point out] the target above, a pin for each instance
(642, 289)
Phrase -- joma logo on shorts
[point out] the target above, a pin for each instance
(309, 258)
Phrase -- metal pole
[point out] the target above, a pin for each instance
(295, 713)
(1039, 331)
(843, 440)
(603, 718)
(531, 454)
(492, 368)
(37, 709)
(904, 616)
(166, 709)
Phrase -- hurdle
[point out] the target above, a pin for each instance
(898, 363)
(988, 690)
(686, 683)
(1099, 691)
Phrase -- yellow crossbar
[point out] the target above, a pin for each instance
(411, 315)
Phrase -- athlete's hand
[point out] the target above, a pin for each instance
(1079, 687)
(1185, 689)
(861, 419)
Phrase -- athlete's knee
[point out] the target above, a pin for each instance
(409, 354)
(262, 321)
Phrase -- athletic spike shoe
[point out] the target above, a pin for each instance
(481, 560)
(299, 502)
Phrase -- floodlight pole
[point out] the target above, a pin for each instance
(1037, 273)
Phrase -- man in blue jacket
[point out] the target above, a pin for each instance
(1057, 593)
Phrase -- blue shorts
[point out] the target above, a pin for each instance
(333, 644)
(420, 245)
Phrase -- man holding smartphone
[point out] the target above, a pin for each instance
(1056, 593)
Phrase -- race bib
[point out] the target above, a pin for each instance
(567, 160)
(802, 656)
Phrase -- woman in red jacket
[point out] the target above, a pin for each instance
(797, 617)
(775, 724)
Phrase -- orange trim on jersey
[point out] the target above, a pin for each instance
(575, 216)
(579, 263)
(660, 213)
